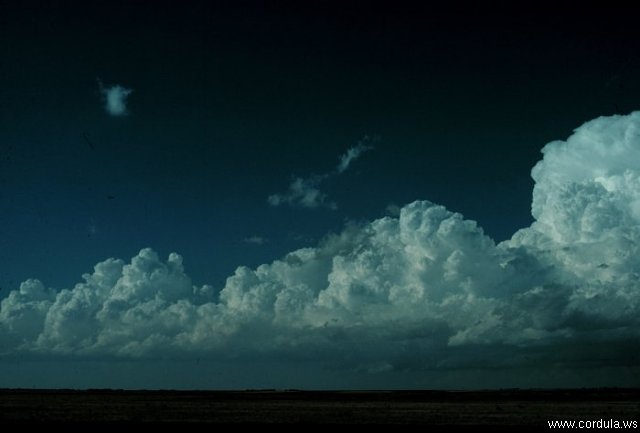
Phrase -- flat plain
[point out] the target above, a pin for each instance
(532, 408)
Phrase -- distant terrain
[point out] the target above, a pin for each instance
(441, 408)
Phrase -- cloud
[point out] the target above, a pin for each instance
(393, 209)
(421, 292)
(256, 240)
(305, 191)
(352, 154)
(115, 98)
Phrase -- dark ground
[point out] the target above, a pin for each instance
(200, 408)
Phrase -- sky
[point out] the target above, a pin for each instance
(318, 195)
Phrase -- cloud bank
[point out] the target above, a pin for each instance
(426, 290)
(115, 98)
(305, 192)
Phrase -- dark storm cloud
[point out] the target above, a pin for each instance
(424, 290)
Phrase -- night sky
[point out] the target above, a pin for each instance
(234, 133)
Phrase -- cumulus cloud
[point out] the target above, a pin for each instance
(421, 291)
(115, 98)
(305, 191)
(393, 209)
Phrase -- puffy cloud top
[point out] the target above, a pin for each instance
(423, 290)
(588, 185)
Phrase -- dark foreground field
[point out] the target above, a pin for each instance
(189, 408)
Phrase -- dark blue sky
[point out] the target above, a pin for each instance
(235, 102)
(232, 99)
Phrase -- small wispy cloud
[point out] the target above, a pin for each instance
(352, 154)
(305, 191)
(255, 240)
(115, 99)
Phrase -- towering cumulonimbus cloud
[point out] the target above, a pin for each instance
(425, 289)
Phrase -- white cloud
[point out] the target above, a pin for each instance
(115, 98)
(352, 154)
(393, 209)
(426, 290)
(305, 192)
